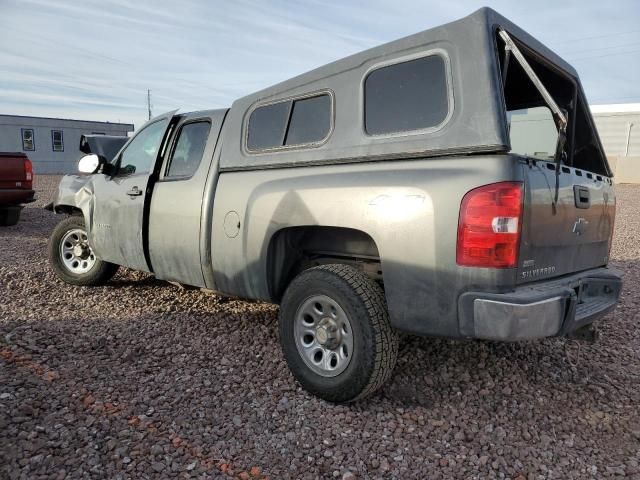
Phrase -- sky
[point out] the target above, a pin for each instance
(95, 59)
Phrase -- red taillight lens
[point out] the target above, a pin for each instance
(489, 226)
(28, 172)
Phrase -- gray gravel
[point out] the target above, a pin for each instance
(142, 379)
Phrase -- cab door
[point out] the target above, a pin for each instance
(117, 224)
(176, 212)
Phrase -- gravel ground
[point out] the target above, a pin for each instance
(143, 379)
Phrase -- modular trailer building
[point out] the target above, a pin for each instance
(52, 143)
(619, 129)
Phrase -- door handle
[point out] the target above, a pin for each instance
(134, 192)
(581, 196)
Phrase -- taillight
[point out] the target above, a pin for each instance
(28, 171)
(489, 226)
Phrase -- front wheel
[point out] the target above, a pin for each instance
(72, 258)
(335, 333)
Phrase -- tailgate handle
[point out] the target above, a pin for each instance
(134, 192)
(582, 196)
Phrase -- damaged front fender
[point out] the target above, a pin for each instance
(75, 193)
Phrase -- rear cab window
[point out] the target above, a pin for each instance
(188, 149)
(533, 132)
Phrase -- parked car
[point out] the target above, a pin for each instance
(16, 180)
(377, 194)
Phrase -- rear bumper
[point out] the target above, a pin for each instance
(546, 309)
(16, 196)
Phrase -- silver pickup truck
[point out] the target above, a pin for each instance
(450, 183)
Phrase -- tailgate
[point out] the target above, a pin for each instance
(12, 172)
(574, 235)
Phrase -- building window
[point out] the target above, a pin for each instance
(28, 142)
(407, 96)
(291, 123)
(57, 142)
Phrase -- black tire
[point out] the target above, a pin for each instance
(9, 216)
(375, 344)
(101, 271)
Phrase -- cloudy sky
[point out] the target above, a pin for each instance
(95, 59)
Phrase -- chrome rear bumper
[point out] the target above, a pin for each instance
(545, 309)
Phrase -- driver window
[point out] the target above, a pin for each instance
(141, 153)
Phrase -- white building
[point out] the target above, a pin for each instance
(619, 130)
(52, 143)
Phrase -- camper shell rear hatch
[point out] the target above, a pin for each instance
(568, 207)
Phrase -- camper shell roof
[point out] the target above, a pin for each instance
(476, 121)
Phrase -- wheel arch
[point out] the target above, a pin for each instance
(294, 249)
(68, 210)
(97, 274)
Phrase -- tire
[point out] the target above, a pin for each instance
(9, 216)
(341, 291)
(89, 271)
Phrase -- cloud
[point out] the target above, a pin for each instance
(92, 59)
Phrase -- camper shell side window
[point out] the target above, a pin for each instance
(298, 122)
(407, 95)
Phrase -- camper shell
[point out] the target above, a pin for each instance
(476, 119)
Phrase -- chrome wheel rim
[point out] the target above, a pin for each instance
(323, 336)
(76, 254)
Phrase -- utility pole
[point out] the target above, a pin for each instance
(149, 103)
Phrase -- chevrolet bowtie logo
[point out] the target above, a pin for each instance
(580, 226)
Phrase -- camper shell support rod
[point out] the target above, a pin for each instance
(557, 111)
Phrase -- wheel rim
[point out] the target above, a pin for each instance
(76, 254)
(323, 335)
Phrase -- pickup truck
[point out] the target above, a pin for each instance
(16, 180)
(396, 190)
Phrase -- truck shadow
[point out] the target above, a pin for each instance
(431, 371)
(138, 280)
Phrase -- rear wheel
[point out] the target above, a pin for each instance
(72, 258)
(335, 333)
(9, 216)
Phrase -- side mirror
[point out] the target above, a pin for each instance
(90, 163)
